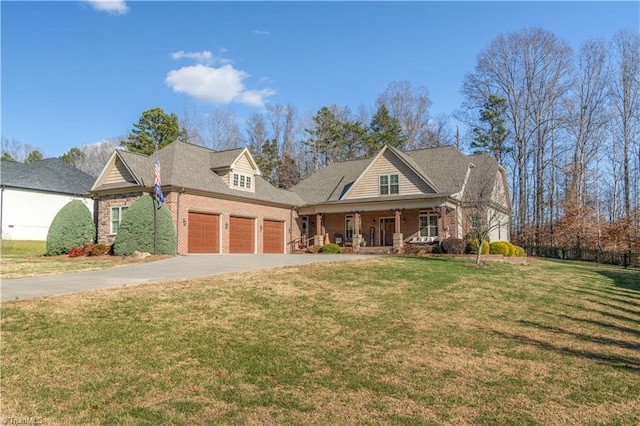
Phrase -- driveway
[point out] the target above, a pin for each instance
(175, 268)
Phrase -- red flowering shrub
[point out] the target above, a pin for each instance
(76, 252)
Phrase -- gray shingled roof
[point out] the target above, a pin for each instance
(51, 174)
(445, 167)
(192, 167)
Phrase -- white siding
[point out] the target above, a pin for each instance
(501, 228)
(27, 215)
(388, 164)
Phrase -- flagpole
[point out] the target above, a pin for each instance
(155, 210)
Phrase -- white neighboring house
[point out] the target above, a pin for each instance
(32, 194)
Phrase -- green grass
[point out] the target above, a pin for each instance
(380, 341)
(13, 248)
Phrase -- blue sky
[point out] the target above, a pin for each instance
(78, 72)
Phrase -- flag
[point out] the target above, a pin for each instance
(156, 183)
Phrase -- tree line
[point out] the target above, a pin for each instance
(565, 124)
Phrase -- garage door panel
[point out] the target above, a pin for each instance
(204, 233)
(241, 235)
(273, 237)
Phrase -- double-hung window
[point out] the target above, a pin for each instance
(389, 185)
(116, 218)
(241, 181)
(428, 224)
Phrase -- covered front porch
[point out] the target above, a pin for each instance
(392, 227)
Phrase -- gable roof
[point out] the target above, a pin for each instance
(193, 167)
(444, 169)
(51, 174)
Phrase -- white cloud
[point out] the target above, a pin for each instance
(220, 85)
(204, 57)
(261, 32)
(114, 7)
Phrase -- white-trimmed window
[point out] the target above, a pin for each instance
(428, 224)
(116, 218)
(348, 227)
(241, 181)
(389, 185)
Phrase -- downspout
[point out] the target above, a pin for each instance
(291, 229)
(178, 222)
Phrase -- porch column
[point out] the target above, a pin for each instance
(442, 223)
(318, 238)
(357, 231)
(398, 238)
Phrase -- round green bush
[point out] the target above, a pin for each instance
(136, 229)
(330, 248)
(73, 226)
(472, 247)
(512, 249)
(499, 247)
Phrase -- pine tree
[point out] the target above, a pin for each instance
(154, 128)
(384, 130)
(492, 138)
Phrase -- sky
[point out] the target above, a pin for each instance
(79, 72)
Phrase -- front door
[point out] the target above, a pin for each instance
(387, 228)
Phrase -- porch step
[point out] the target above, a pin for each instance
(376, 250)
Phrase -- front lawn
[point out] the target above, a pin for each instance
(26, 259)
(379, 341)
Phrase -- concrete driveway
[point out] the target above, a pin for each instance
(175, 268)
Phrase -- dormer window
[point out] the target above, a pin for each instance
(241, 181)
(389, 185)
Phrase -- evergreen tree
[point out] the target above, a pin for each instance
(384, 130)
(33, 156)
(136, 231)
(323, 138)
(74, 156)
(493, 136)
(71, 228)
(268, 160)
(154, 128)
(7, 157)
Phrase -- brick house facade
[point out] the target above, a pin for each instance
(221, 204)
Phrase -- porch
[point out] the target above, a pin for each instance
(391, 228)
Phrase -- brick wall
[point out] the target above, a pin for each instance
(225, 209)
(105, 203)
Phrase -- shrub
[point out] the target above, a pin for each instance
(452, 246)
(313, 249)
(76, 252)
(136, 231)
(99, 250)
(512, 249)
(72, 227)
(519, 251)
(472, 247)
(499, 247)
(330, 248)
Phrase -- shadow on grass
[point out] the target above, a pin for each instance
(628, 279)
(615, 361)
(621, 329)
(606, 313)
(581, 336)
(611, 295)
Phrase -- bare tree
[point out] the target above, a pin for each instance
(625, 93)
(223, 131)
(410, 106)
(587, 114)
(193, 125)
(530, 70)
(485, 204)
